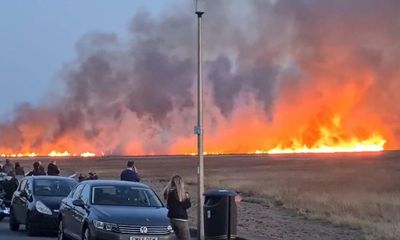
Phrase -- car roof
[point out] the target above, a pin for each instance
(48, 178)
(95, 183)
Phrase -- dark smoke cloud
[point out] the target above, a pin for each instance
(253, 47)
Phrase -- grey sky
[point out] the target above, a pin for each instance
(38, 37)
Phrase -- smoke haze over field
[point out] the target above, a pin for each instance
(277, 73)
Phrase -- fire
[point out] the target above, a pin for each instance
(88, 154)
(331, 139)
(59, 154)
(18, 155)
(53, 153)
(373, 144)
(292, 86)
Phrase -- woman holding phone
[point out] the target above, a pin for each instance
(178, 201)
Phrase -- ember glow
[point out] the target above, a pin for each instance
(287, 77)
(373, 144)
(331, 140)
(51, 154)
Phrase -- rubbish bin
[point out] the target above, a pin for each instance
(220, 214)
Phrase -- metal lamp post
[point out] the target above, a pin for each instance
(199, 130)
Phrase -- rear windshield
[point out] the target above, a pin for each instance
(124, 196)
(53, 187)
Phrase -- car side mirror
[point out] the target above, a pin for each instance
(78, 203)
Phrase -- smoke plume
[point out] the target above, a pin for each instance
(276, 72)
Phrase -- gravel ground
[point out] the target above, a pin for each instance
(264, 218)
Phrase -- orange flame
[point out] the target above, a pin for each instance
(373, 144)
(53, 153)
(331, 140)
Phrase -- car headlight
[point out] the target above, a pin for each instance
(40, 207)
(170, 229)
(104, 226)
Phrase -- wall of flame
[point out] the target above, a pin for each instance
(281, 77)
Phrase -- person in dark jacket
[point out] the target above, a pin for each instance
(178, 201)
(81, 178)
(41, 168)
(10, 185)
(19, 171)
(37, 170)
(52, 169)
(130, 173)
(92, 176)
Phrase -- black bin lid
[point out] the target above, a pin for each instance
(220, 193)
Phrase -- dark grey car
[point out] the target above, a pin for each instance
(36, 202)
(105, 209)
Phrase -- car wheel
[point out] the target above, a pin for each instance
(28, 226)
(1, 217)
(61, 235)
(87, 235)
(13, 223)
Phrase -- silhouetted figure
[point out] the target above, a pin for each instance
(41, 168)
(10, 184)
(81, 178)
(52, 169)
(37, 170)
(19, 171)
(8, 167)
(130, 174)
(92, 176)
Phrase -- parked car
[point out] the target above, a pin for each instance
(106, 209)
(36, 202)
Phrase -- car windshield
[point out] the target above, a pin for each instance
(53, 187)
(124, 196)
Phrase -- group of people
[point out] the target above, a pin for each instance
(9, 168)
(8, 181)
(38, 169)
(178, 200)
(91, 176)
(9, 173)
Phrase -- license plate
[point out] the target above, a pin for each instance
(144, 238)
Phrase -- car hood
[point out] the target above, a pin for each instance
(131, 215)
(51, 202)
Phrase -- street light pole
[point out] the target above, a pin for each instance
(200, 130)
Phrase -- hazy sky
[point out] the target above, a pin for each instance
(38, 36)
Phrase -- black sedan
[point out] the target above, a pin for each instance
(36, 202)
(105, 209)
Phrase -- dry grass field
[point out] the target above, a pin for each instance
(315, 196)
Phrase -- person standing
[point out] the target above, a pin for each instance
(178, 201)
(8, 167)
(37, 170)
(130, 173)
(52, 169)
(19, 171)
(10, 185)
(41, 168)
